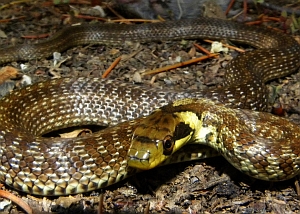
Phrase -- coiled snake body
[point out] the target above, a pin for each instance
(51, 166)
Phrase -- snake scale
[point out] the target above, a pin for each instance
(55, 166)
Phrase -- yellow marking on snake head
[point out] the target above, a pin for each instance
(158, 136)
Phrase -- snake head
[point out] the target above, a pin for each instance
(159, 136)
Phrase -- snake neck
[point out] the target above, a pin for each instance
(241, 136)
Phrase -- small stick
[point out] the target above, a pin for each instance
(228, 46)
(204, 50)
(114, 12)
(16, 200)
(111, 67)
(100, 204)
(86, 17)
(245, 8)
(8, 20)
(229, 7)
(297, 187)
(136, 20)
(177, 65)
(40, 36)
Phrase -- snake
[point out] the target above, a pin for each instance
(216, 117)
(259, 144)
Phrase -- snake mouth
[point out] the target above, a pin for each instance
(143, 152)
(139, 159)
(140, 155)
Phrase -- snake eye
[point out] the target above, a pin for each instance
(168, 144)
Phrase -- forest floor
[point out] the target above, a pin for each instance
(203, 186)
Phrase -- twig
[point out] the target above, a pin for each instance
(297, 187)
(229, 7)
(86, 17)
(114, 12)
(136, 20)
(100, 204)
(16, 200)
(13, 3)
(245, 8)
(40, 36)
(11, 19)
(177, 65)
(203, 49)
(228, 46)
(111, 67)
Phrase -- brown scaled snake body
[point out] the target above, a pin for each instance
(47, 166)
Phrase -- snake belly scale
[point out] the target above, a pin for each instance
(45, 166)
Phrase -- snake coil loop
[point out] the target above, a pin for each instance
(44, 166)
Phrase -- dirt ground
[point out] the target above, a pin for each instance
(204, 186)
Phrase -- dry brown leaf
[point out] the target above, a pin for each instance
(7, 73)
(75, 133)
(66, 201)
